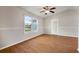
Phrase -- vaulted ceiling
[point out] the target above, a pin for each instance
(36, 10)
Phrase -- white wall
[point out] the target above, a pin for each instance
(12, 26)
(66, 23)
(77, 9)
(78, 35)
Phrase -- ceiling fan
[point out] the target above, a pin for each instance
(47, 9)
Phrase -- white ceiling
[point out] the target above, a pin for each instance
(36, 10)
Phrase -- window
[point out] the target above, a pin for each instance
(30, 24)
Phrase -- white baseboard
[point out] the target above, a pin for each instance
(68, 36)
(27, 39)
(19, 42)
(63, 35)
(78, 49)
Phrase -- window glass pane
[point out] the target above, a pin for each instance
(30, 24)
(34, 25)
(27, 23)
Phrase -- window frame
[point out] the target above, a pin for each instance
(33, 18)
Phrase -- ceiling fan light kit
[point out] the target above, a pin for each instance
(47, 9)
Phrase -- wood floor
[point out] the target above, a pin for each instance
(45, 44)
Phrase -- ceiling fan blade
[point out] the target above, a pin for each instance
(46, 7)
(52, 8)
(42, 11)
(52, 11)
